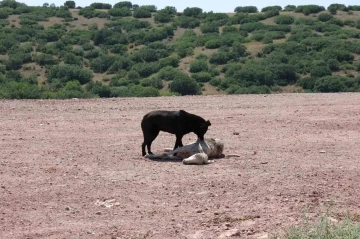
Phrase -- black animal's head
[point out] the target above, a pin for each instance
(202, 129)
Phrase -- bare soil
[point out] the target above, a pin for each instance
(73, 168)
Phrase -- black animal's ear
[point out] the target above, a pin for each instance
(208, 123)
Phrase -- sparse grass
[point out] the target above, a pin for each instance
(324, 229)
(299, 14)
(51, 22)
(254, 47)
(82, 23)
(211, 90)
(203, 50)
(345, 15)
(14, 19)
(269, 21)
(292, 89)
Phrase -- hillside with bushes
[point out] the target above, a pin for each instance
(127, 50)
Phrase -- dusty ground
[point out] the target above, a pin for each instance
(73, 168)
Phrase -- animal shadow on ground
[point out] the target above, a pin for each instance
(176, 159)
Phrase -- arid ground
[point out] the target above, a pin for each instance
(73, 168)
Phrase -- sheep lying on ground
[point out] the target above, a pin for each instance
(197, 152)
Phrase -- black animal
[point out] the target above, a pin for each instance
(174, 122)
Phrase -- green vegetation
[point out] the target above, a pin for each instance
(127, 50)
(325, 229)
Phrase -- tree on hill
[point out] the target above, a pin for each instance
(192, 11)
(98, 5)
(269, 8)
(70, 4)
(122, 4)
(246, 9)
(184, 85)
(289, 8)
(141, 13)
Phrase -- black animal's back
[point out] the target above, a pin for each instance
(162, 120)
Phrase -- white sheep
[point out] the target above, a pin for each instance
(197, 152)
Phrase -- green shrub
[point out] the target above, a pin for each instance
(141, 13)
(308, 9)
(44, 59)
(252, 26)
(270, 8)
(155, 82)
(120, 91)
(163, 16)
(14, 62)
(324, 17)
(209, 28)
(98, 5)
(268, 14)
(70, 4)
(123, 4)
(284, 19)
(99, 89)
(102, 63)
(184, 85)
(289, 8)
(65, 73)
(337, 6)
(307, 83)
(121, 63)
(219, 58)
(320, 71)
(258, 36)
(246, 9)
(357, 65)
(188, 22)
(170, 61)
(146, 69)
(3, 14)
(192, 11)
(357, 24)
(202, 76)
(120, 12)
(198, 65)
(267, 40)
(349, 22)
(120, 81)
(168, 73)
(118, 49)
(19, 90)
(229, 29)
(215, 81)
(72, 89)
(213, 43)
(329, 84)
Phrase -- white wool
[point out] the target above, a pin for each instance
(197, 152)
(199, 158)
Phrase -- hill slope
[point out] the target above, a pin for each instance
(61, 52)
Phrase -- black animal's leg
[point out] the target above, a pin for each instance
(146, 136)
(178, 142)
(143, 148)
(150, 138)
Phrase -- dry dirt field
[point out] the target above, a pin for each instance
(73, 168)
